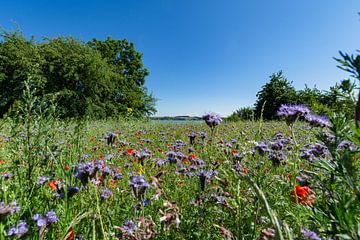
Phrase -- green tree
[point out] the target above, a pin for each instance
(97, 79)
(18, 58)
(245, 113)
(129, 74)
(274, 93)
(340, 98)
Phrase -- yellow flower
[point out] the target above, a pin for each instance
(140, 170)
(129, 110)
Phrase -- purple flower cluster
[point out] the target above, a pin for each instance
(317, 121)
(204, 176)
(42, 180)
(318, 150)
(261, 148)
(309, 235)
(6, 210)
(212, 119)
(89, 170)
(174, 157)
(105, 193)
(19, 231)
(292, 112)
(192, 137)
(129, 227)
(139, 185)
(6, 175)
(277, 158)
(346, 145)
(45, 221)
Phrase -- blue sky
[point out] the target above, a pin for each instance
(208, 55)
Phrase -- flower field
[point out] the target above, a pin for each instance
(144, 180)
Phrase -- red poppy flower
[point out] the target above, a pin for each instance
(52, 185)
(70, 235)
(192, 156)
(130, 151)
(303, 195)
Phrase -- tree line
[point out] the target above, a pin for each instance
(339, 98)
(97, 78)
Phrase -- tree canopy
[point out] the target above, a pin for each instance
(274, 93)
(339, 98)
(99, 78)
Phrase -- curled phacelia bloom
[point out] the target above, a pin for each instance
(317, 121)
(292, 112)
(212, 119)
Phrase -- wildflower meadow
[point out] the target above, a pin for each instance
(296, 178)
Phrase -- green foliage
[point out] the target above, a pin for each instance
(338, 179)
(245, 113)
(351, 64)
(338, 99)
(274, 93)
(96, 79)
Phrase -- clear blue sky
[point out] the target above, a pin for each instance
(208, 55)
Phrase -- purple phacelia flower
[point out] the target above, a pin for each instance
(346, 145)
(212, 119)
(20, 231)
(317, 121)
(51, 217)
(192, 137)
(262, 148)
(139, 185)
(309, 235)
(6, 175)
(278, 145)
(71, 191)
(6, 210)
(45, 221)
(42, 180)
(291, 112)
(204, 176)
(171, 157)
(129, 227)
(105, 193)
(277, 158)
